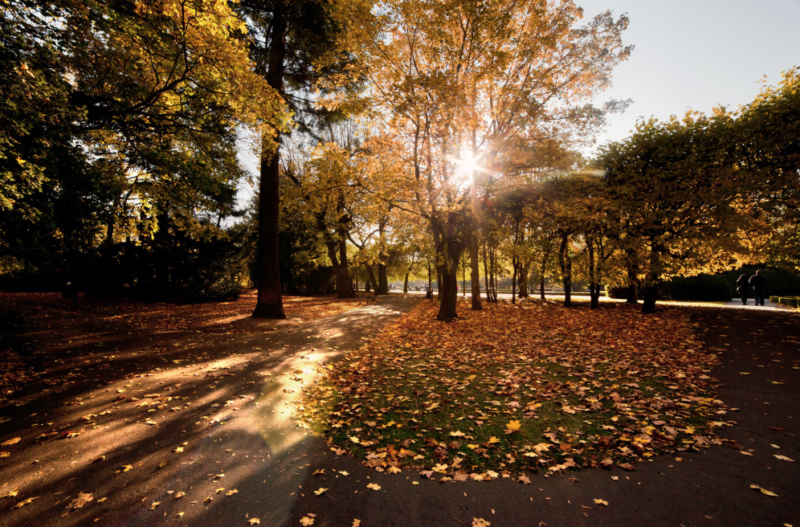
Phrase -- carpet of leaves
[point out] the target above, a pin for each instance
(211, 317)
(516, 388)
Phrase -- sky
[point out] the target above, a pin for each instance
(697, 54)
(694, 54)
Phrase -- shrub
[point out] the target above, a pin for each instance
(780, 282)
(620, 291)
(788, 301)
(706, 288)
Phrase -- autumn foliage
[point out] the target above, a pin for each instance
(520, 387)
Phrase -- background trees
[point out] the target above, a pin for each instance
(390, 140)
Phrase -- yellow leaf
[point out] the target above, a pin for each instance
(493, 440)
(320, 491)
(513, 426)
(305, 520)
(601, 502)
(374, 486)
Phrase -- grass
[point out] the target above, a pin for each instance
(516, 388)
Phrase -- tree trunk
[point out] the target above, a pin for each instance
(493, 277)
(464, 278)
(565, 262)
(405, 284)
(594, 286)
(541, 286)
(651, 285)
(270, 301)
(473, 249)
(373, 284)
(514, 279)
(448, 251)
(345, 284)
(383, 282)
(486, 275)
(633, 279)
(522, 279)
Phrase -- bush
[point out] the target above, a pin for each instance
(617, 291)
(788, 301)
(780, 282)
(704, 288)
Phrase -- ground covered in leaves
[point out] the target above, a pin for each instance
(516, 388)
(211, 317)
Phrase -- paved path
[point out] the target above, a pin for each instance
(226, 401)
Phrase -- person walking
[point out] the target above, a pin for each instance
(741, 288)
(759, 283)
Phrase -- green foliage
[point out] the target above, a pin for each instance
(704, 287)
(616, 292)
(780, 282)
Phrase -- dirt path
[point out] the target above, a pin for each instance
(233, 394)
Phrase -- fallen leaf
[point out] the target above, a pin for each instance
(784, 458)
(374, 486)
(23, 503)
(254, 521)
(232, 492)
(479, 522)
(11, 442)
(305, 520)
(601, 502)
(763, 491)
(82, 499)
(320, 491)
(154, 505)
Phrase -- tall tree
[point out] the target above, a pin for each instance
(296, 45)
(486, 79)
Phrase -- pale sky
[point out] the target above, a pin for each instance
(697, 54)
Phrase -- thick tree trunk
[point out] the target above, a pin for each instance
(383, 281)
(541, 287)
(650, 295)
(522, 279)
(344, 284)
(270, 301)
(405, 283)
(371, 277)
(651, 286)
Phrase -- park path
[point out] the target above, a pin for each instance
(234, 395)
(138, 417)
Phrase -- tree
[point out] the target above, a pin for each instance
(675, 185)
(482, 79)
(296, 45)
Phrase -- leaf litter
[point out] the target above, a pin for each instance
(515, 388)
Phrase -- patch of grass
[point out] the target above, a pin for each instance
(510, 389)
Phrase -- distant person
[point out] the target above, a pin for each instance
(741, 288)
(759, 283)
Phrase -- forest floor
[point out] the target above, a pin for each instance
(112, 423)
